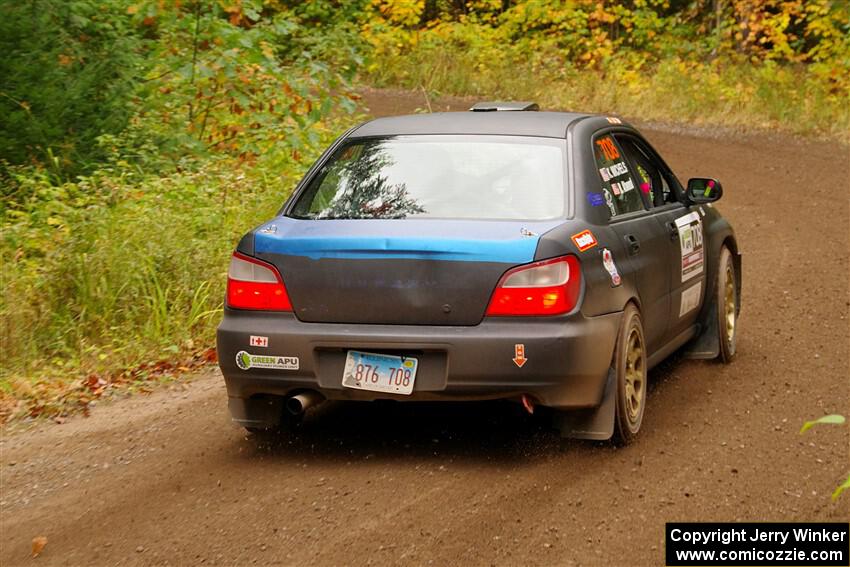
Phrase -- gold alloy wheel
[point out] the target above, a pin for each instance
(729, 304)
(635, 375)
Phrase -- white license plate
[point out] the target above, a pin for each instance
(379, 372)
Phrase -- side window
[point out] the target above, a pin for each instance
(618, 181)
(653, 180)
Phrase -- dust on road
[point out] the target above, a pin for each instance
(167, 479)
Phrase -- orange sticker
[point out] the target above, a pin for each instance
(584, 240)
(519, 355)
(608, 148)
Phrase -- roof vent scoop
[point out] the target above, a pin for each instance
(503, 106)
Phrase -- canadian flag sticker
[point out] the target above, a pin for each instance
(259, 341)
(584, 240)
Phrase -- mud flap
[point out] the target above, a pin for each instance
(595, 424)
(707, 344)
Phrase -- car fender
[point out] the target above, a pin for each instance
(601, 292)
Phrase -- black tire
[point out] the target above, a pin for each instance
(727, 306)
(630, 370)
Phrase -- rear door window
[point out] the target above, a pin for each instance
(619, 182)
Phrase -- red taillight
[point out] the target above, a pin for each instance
(550, 287)
(254, 284)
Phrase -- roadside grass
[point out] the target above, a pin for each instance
(796, 100)
(109, 281)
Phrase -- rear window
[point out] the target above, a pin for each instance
(460, 177)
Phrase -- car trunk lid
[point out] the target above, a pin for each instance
(406, 272)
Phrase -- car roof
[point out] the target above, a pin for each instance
(510, 123)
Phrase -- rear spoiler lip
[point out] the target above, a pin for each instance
(499, 106)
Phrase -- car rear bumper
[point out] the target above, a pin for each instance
(567, 358)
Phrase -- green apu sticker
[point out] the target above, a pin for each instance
(246, 361)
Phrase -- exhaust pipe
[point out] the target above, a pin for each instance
(298, 404)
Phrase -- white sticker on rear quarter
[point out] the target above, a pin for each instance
(611, 267)
(690, 299)
(259, 341)
(690, 241)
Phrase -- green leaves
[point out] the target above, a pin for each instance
(122, 256)
(832, 419)
(68, 72)
(236, 93)
(166, 82)
(841, 488)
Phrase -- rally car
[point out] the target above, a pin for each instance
(550, 258)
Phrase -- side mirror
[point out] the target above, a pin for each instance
(704, 190)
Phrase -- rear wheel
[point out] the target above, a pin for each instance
(727, 305)
(631, 372)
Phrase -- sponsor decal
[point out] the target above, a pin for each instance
(519, 355)
(611, 267)
(246, 360)
(595, 199)
(611, 171)
(613, 120)
(270, 229)
(690, 299)
(690, 242)
(584, 240)
(609, 150)
(525, 232)
(618, 169)
(259, 341)
(645, 188)
(627, 185)
(615, 187)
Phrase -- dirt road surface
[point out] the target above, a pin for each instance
(166, 479)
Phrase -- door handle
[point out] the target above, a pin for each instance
(674, 230)
(632, 244)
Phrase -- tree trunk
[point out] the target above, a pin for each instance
(429, 12)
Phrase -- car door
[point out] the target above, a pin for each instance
(646, 242)
(683, 227)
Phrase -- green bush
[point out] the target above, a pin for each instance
(126, 263)
(104, 274)
(771, 65)
(68, 74)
